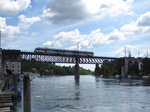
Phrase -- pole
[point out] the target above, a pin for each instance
(78, 46)
(125, 50)
(26, 93)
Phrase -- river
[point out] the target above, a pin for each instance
(90, 94)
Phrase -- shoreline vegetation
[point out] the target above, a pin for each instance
(51, 69)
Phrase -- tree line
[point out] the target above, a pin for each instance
(51, 69)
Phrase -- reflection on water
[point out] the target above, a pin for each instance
(77, 89)
(90, 94)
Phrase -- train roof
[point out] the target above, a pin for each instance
(63, 50)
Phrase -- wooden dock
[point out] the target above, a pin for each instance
(6, 101)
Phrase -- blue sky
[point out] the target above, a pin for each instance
(101, 26)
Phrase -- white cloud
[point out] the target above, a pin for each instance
(13, 6)
(85, 41)
(7, 30)
(129, 28)
(116, 35)
(144, 20)
(71, 11)
(97, 38)
(141, 25)
(52, 44)
(10, 31)
(109, 7)
(64, 11)
(86, 44)
(25, 22)
(72, 36)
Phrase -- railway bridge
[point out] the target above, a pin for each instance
(19, 56)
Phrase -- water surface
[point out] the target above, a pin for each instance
(90, 94)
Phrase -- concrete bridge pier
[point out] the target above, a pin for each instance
(77, 76)
(0, 59)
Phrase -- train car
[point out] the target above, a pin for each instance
(63, 52)
(45, 51)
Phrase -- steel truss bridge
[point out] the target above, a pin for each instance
(17, 55)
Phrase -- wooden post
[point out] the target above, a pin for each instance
(26, 93)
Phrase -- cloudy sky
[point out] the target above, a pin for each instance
(101, 26)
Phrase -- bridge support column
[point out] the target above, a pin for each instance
(1, 59)
(77, 76)
(126, 65)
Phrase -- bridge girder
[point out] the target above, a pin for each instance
(31, 56)
(64, 58)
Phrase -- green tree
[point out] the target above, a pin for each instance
(134, 69)
(106, 70)
(50, 69)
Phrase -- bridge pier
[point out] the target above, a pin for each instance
(128, 62)
(77, 76)
(0, 59)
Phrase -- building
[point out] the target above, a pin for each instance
(15, 67)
